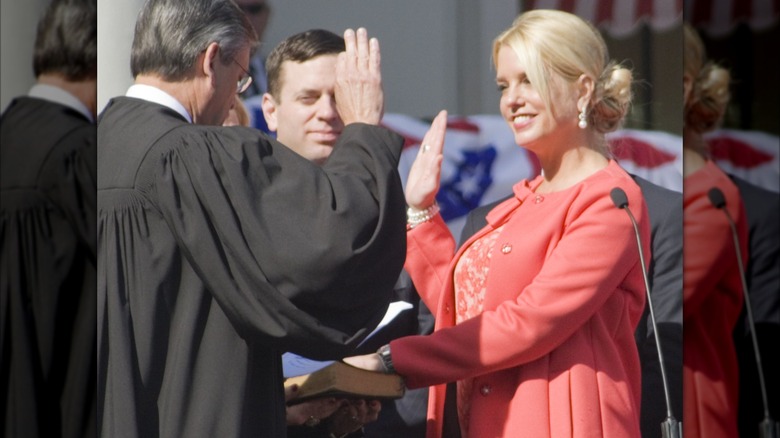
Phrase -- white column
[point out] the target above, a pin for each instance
(116, 23)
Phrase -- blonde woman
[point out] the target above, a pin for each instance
(535, 313)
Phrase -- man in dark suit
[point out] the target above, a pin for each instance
(665, 208)
(213, 239)
(665, 277)
(48, 234)
(762, 208)
(300, 108)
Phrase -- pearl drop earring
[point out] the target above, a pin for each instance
(583, 123)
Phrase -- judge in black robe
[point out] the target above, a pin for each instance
(208, 239)
(211, 240)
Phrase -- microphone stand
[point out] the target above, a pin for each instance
(670, 427)
(768, 428)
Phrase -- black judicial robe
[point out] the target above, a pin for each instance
(47, 270)
(211, 243)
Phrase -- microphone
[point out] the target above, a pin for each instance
(670, 428)
(768, 428)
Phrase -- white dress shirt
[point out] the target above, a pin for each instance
(156, 95)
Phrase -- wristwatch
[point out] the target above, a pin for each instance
(387, 359)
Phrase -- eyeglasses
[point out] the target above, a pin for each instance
(245, 81)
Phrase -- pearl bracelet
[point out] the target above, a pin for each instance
(416, 217)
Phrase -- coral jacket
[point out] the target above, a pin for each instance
(553, 353)
(712, 302)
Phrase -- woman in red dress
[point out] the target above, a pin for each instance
(535, 313)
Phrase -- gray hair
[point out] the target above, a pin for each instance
(171, 34)
(66, 40)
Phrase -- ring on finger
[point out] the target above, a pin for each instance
(426, 147)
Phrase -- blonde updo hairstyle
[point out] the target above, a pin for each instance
(547, 41)
(709, 95)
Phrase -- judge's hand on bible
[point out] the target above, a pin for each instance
(342, 416)
(311, 412)
(358, 91)
(353, 415)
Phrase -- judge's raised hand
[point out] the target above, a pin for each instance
(358, 91)
(422, 184)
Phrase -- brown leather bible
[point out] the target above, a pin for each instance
(345, 381)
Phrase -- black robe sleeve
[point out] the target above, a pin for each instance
(268, 231)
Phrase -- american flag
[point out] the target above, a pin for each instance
(482, 161)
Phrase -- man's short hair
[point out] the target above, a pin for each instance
(171, 34)
(300, 47)
(66, 40)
